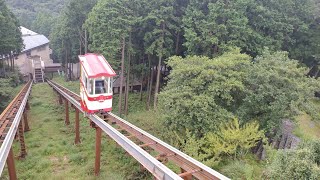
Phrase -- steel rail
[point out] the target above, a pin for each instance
(159, 170)
(186, 162)
(194, 167)
(7, 142)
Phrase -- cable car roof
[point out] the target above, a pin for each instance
(95, 65)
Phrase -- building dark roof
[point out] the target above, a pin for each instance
(33, 41)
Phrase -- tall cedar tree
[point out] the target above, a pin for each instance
(109, 24)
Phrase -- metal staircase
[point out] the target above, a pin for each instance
(38, 70)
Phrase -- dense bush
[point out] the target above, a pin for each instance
(302, 163)
(230, 141)
(202, 92)
(7, 86)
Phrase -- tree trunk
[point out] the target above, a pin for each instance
(141, 87)
(158, 72)
(177, 43)
(66, 65)
(128, 77)
(142, 76)
(80, 46)
(13, 62)
(72, 74)
(85, 42)
(156, 90)
(127, 85)
(132, 83)
(150, 83)
(121, 75)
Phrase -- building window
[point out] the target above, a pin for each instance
(28, 53)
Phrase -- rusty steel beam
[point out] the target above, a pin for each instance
(66, 103)
(60, 99)
(98, 151)
(10, 120)
(187, 175)
(11, 166)
(150, 163)
(23, 151)
(77, 127)
(27, 106)
(25, 122)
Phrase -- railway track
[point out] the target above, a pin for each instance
(139, 144)
(10, 123)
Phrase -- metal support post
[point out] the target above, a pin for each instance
(98, 151)
(25, 120)
(11, 166)
(185, 175)
(67, 122)
(28, 105)
(23, 151)
(77, 124)
(60, 99)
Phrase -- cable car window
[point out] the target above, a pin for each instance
(90, 86)
(110, 84)
(101, 87)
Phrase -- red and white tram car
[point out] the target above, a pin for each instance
(95, 83)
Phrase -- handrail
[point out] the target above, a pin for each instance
(200, 170)
(159, 170)
(7, 143)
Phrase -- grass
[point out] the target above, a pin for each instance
(149, 121)
(308, 128)
(52, 154)
(51, 150)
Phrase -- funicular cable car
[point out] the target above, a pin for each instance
(95, 83)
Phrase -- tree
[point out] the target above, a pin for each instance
(212, 26)
(276, 87)
(201, 92)
(9, 31)
(159, 40)
(68, 35)
(302, 163)
(109, 25)
(10, 41)
(43, 23)
(28, 12)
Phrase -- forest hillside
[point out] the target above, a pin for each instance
(36, 14)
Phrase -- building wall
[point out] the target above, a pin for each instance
(24, 63)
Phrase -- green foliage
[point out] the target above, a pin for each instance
(68, 34)
(32, 13)
(202, 92)
(108, 23)
(233, 140)
(9, 31)
(276, 88)
(212, 26)
(8, 87)
(302, 163)
(230, 141)
(239, 170)
(44, 23)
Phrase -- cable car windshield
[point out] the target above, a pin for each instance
(101, 86)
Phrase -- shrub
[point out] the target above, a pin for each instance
(302, 163)
(230, 140)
